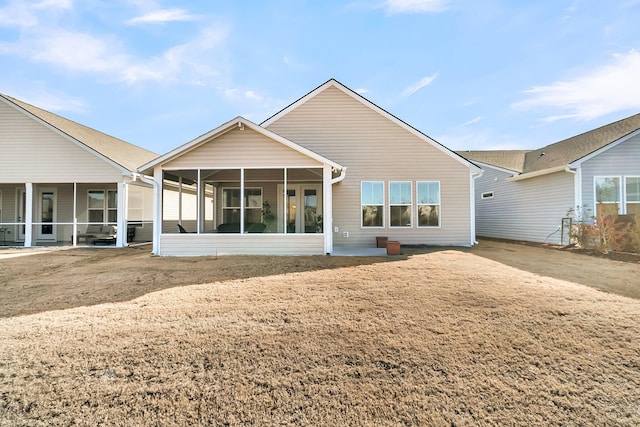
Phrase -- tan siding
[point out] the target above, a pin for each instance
(31, 152)
(372, 147)
(241, 148)
(240, 244)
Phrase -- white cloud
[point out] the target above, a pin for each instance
(425, 81)
(362, 91)
(163, 15)
(472, 121)
(416, 6)
(54, 4)
(607, 89)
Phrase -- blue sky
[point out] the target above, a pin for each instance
(492, 74)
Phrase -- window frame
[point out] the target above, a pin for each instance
(381, 206)
(100, 209)
(625, 195)
(106, 208)
(620, 192)
(439, 204)
(487, 195)
(410, 205)
(243, 201)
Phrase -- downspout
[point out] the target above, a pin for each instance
(474, 176)
(156, 190)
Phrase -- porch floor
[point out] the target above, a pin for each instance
(358, 251)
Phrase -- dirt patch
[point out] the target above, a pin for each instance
(443, 338)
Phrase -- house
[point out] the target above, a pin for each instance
(525, 195)
(330, 170)
(59, 177)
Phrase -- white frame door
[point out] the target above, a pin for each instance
(298, 190)
(46, 214)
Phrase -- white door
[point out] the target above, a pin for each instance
(46, 214)
(304, 208)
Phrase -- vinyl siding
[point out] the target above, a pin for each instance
(31, 152)
(241, 148)
(240, 244)
(373, 148)
(621, 160)
(528, 210)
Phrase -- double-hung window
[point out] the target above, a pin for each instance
(607, 195)
(632, 196)
(400, 204)
(100, 207)
(231, 205)
(428, 201)
(372, 203)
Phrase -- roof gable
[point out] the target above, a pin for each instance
(332, 83)
(236, 123)
(120, 153)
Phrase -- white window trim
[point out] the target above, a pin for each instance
(620, 194)
(242, 205)
(384, 200)
(105, 208)
(624, 193)
(439, 204)
(487, 195)
(396, 204)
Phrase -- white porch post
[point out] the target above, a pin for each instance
(74, 231)
(28, 215)
(157, 209)
(121, 235)
(327, 214)
(241, 200)
(199, 206)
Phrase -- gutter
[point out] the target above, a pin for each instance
(563, 168)
(343, 174)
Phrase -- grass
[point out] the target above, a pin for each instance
(446, 338)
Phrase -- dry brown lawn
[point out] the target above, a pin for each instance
(440, 338)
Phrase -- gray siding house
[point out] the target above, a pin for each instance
(330, 170)
(524, 195)
(57, 178)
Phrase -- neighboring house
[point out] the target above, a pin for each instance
(524, 195)
(58, 177)
(330, 170)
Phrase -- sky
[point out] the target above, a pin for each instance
(471, 74)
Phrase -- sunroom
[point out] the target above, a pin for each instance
(241, 189)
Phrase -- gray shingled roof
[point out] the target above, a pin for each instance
(560, 153)
(121, 152)
(506, 159)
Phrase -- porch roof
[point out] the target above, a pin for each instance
(239, 122)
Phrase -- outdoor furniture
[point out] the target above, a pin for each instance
(234, 227)
(98, 233)
(181, 228)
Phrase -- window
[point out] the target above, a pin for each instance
(607, 194)
(400, 204)
(428, 204)
(632, 199)
(95, 206)
(487, 195)
(98, 208)
(372, 202)
(231, 205)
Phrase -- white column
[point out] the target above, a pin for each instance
(199, 207)
(157, 209)
(285, 203)
(28, 215)
(241, 200)
(74, 232)
(327, 209)
(121, 236)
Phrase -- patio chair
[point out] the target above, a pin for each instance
(181, 228)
